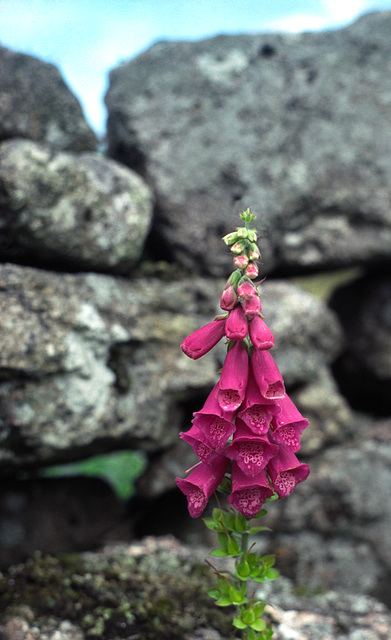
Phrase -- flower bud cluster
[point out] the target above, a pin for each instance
(248, 425)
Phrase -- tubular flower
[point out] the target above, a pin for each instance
(267, 374)
(203, 339)
(236, 324)
(252, 307)
(286, 472)
(260, 334)
(288, 425)
(216, 424)
(199, 442)
(248, 425)
(201, 484)
(248, 492)
(233, 379)
(251, 452)
(257, 412)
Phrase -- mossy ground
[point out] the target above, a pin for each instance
(153, 597)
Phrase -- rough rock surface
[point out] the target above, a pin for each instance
(364, 369)
(155, 590)
(35, 103)
(83, 210)
(83, 355)
(297, 126)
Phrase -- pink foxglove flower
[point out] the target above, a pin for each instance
(246, 290)
(256, 411)
(199, 442)
(286, 471)
(288, 425)
(260, 334)
(228, 298)
(236, 324)
(201, 484)
(252, 307)
(214, 422)
(241, 261)
(203, 339)
(251, 452)
(248, 492)
(233, 379)
(251, 271)
(267, 374)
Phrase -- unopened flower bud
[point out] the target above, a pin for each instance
(251, 271)
(246, 289)
(252, 235)
(238, 247)
(253, 253)
(230, 238)
(241, 261)
(233, 279)
(229, 298)
(242, 232)
(252, 307)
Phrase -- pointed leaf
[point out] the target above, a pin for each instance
(238, 623)
(224, 602)
(258, 625)
(258, 529)
(272, 574)
(214, 593)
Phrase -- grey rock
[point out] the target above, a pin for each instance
(90, 360)
(36, 103)
(364, 308)
(296, 126)
(334, 530)
(81, 210)
(161, 570)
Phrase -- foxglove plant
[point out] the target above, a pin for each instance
(245, 436)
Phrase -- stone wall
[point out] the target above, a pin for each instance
(102, 274)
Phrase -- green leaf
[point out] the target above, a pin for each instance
(238, 623)
(210, 523)
(214, 593)
(268, 560)
(272, 574)
(258, 529)
(258, 625)
(248, 616)
(261, 513)
(259, 608)
(224, 602)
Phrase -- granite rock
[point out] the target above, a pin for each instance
(36, 103)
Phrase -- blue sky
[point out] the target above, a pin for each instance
(86, 38)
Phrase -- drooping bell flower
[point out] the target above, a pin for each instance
(233, 379)
(214, 422)
(288, 425)
(267, 374)
(203, 339)
(248, 492)
(285, 471)
(251, 452)
(256, 411)
(252, 306)
(199, 442)
(260, 334)
(236, 324)
(201, 484)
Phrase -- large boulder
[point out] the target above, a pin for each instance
(78, 211)
(89, 361)
(296, 126)
(36, 103)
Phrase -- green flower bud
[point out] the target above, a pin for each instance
(230, 238)
(238, 247)
(252, 235)
(242, 232)
(253, 252)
